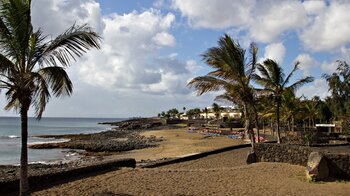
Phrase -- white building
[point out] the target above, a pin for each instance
(227, 112)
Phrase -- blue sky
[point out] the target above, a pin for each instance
(151, 49)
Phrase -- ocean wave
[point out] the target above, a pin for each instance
(48, 142)
(9, 137)
(13, 136)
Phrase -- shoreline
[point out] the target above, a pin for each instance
(167, 143)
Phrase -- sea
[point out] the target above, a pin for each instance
(10, 140)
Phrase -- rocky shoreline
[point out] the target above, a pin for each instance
(124, 137)
(116, 140)
(93, 148)
(137, 123)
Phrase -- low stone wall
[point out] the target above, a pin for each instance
(285, 153)
(338, 163)
(74, 173)
(195, 156)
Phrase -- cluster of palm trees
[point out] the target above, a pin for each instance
(33, 67)
(235, 74)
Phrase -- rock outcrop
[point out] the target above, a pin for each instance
(251, 157)
(317, 167)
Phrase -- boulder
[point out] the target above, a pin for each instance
(317, 167)
(251, 158)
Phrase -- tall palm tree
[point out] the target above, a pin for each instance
(273, 80)
(32, 67)
(232, 73)
(311, 111)
(216, 110)
(339, 86)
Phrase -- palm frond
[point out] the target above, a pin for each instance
(300, 83)
(12, 99)
(5, 64)
(58, 80)
(286, 81)
(204, 84)
(41, 95)
(253, 51)
(263, 72)
(275, 71)
(228, 98)
(265, 82)
(69, 45)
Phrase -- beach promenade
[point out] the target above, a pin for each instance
(218, 174)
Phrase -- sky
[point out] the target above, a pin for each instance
(152, 49)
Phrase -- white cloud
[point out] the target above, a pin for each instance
(345, 53)
(215, 14)
(306, 63)
(318, 88)
(272, 18)
(127, 71)
(192, 66)
(54, 17)
(330, 29)
(127, 57)
(320, 25)
(314, 7)
(329, 67)
(164, 39)
(275, 51)
(130, 41)
(263, 20)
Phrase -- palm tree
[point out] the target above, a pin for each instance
(232, 74)
(32, 67)
(311, 111)
(339, 86)
(216, 110)
(274, 81)
(206, 113)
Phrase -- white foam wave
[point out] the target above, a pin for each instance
(13, 136)
(48, 142)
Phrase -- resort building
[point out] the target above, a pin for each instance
(329, 128)
(183, 116)
(225, 113)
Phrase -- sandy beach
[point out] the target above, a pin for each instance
(176, 143)
(219, 174)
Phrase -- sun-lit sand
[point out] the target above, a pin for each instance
(219, 174)
(177, 143)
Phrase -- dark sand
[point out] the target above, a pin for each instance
(220, 174)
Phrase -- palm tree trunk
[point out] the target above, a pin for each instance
(264, 127)
(24, 184)
(246, 120)
(256, 122)
(289, 125)
(272, 128)
(278, 122)
(293, 123)
(247, 126)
